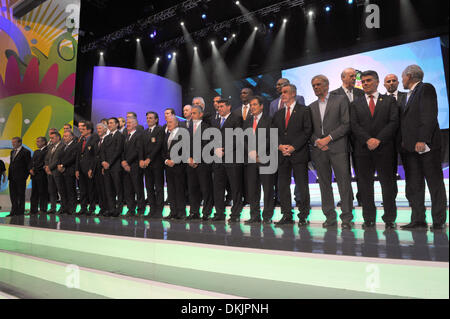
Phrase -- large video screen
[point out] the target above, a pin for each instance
(427, 54)
(117, 91)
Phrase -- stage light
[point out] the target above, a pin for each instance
(237, 2)
(285, 20)
(174, 54)
(157, 59)
(311, 13)
(328, 8)
(234, 35)
(195, 48)
(203, 16)
(212, 42)
(225, 39)
(153, 34)
(138, 40)
(101, 53)
(271, 25)
(169, 56)
(350, 1)
(256, 28)
(182, 23)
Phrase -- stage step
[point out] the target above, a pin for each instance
(248, 273)
(31, 277)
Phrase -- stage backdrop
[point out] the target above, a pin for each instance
(37, 71)
(427, 54)
(116, 91)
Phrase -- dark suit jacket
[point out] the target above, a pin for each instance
(264, 124)
(198, 137)
(112, 150)
(153, 146)
(132, 150)
(19, 167)
(382, 126)
(336, 123)
(419, 120)
(68, 158)
(86, 160)
(52, 158)
(38, 161)
(297, 134)
(167, 149)
(232, 122)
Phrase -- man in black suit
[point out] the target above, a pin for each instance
(54, 176)
(352, 93)
(294, 131)
(259, 123)
(111, 163)
(66, 167)
(198, 172)
(133, 115)
(99, 176)
(421, 143)
(208, 115)
(176, 186)
(39, 191)
(134, 176)
(85, 169)
(244, 110)
(17, 174)
(153, 164)
(374, 123)
(391, 84)
(223, 171)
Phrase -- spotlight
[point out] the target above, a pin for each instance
(203, 16)
(328, 8)
(212, 42)
(101, 53)
(195, 48)
(350, 1)
(285, 20)
(169, 56)
(182, 23)
(237, 2)
(256, 28)
(153, 34)
(234, 35)
(311, 13)
(271, 25)
(157, 59)
(174, 54)
(225, 39)
(138, 40)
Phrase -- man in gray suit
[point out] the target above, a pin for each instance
(331, 125)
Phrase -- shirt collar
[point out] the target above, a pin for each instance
(326, 98)
(414, 86)
(348, 90)
(375, 95)
(258, 117)
(226, 117)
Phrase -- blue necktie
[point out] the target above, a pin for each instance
(222, 122)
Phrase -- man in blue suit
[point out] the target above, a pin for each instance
(276, 104)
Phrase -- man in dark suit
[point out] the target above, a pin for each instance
(99, 176)
(198, 172)
(133, 115)
(208, 114)
(352, 93)
(276, 104)
(85, 169)
(176, 186)
(259, 123)
(331, 126)
(134, 176)
(421, 142)
(111, 154)
(66, 167)
(231, 172)
(17, 174)
(54, 176)
(39, 191)
(391, 84)
(153, 164)
(374, 123)
(294, 131)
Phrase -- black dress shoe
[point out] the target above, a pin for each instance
(339, 204)
(267, 221)
(438, 227)
(390, 225)
(285, 221)
(171, 216)
(82, 212)
(205, 217)
(303, 222)
(234, 220)
(253, 221)
(366, 225)
(218, 218)
(51, 212)
(347, 225)
(415, 225)
(193, 217)
(329, 223)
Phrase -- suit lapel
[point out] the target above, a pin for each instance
(413, 95)
(379, 105)
(328, 107)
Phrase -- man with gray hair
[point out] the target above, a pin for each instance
(276, 104)
(330, 116)
(421, 142)
(208, 115)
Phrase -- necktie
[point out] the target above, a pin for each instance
(14, 154)
(393, 95)
(288, 116)
(255, 125)
(350, 95)
(222, 122)
(244, 115)
(195, 128)
(372, 105)
(84, 145)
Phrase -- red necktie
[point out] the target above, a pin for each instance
(288, 116)
(372, 105)
(255, 125)
(84, 145)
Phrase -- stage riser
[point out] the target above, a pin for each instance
(240, 272)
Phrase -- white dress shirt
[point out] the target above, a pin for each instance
(375, 98)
